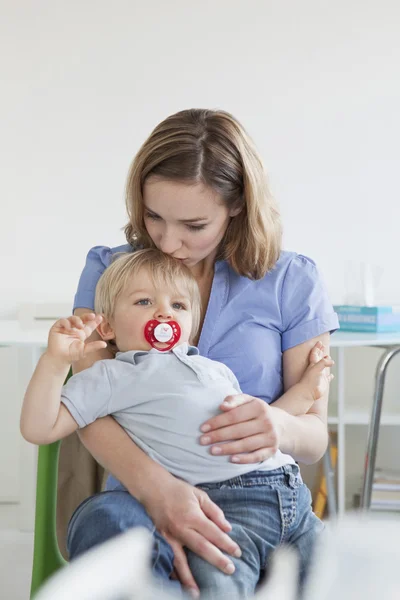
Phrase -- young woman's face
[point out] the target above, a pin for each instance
(185, 221)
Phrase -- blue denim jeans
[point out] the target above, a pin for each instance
(265, 508)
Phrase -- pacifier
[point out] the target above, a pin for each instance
(166, 333)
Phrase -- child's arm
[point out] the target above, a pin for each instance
(43, 418)
(314, 383)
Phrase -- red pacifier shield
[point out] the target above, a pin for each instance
(166, 333)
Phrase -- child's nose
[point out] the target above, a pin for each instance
(164, 313)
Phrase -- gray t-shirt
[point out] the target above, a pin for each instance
(161, 399)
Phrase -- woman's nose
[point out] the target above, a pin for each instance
(169, 243)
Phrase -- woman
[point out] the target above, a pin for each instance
(197, 191)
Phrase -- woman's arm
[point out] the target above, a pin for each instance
(260, 429)
(305, 437)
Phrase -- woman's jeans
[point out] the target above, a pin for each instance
(265, 509)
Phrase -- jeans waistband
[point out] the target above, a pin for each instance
(256, 478)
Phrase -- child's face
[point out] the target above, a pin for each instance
(141, 302)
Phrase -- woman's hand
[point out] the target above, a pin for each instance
(253, 427)
(250, 429)
(185, 516)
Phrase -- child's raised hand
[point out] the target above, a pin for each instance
(317, 376)
(67, 338)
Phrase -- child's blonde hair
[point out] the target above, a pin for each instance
(165, 272)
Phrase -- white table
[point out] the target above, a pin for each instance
(30, 344)
(11, 334)
(390, 342)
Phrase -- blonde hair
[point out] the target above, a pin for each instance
(164, 271)
(211, 147)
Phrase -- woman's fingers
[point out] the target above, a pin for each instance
(199, 544)
(259, 441)
(246, 409)
(221, 541)
(214, 512)
(253, 457)
(235, 400)
(231, 432)
(181, 567)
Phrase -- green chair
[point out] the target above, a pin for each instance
(47, 557)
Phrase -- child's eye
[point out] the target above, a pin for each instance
(143, 302)
(178, 306)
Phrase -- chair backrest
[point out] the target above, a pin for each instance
(47, 557)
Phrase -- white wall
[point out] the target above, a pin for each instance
(315, 83)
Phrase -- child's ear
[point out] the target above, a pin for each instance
(106, 330)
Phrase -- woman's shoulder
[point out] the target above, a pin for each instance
(102, 255)
(293, 261)
(290, 268)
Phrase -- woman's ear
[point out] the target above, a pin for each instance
(235, 211)
(106, 330)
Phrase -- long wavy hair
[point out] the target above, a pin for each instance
(211, 147)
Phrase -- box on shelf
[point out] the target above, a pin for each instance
(372, 319)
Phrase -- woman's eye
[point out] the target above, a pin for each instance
(196, 227)
(152, 216)
(143, 302)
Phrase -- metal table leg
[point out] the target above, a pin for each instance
(373, 432)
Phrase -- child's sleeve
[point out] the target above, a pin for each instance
(87, 394)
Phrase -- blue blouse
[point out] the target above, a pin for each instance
(248, 324)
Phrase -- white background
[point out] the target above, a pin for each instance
(315, 83)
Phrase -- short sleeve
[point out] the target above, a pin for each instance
(87, 394)
(97, 261)
(306, 309)
(232, 377)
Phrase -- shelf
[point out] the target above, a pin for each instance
(359, 417)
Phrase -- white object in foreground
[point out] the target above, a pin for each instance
(357, 559)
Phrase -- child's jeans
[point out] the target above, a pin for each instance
(265, 509)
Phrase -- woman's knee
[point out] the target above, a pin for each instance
(103, 516)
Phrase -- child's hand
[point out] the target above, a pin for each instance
(317, 377)
(67, 338)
